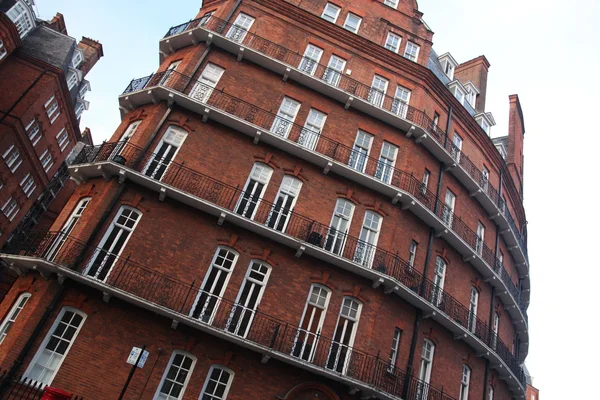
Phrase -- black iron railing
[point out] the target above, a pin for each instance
(20, 388)
(356, 89)
(330, 148)
(292, 224)
(189, 300)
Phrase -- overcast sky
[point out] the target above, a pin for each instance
(547, 52)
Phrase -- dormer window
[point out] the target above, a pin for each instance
(391, 3)
(448, 64)
(486, 121)
(77, 58)
(71, 79)
(458, 90)
(22, 17)
(472, 93)
(449, 70)
(85, 86)
(501, 150)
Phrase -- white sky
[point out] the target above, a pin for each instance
(547, 52)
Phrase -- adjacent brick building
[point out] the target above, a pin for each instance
(303, 202)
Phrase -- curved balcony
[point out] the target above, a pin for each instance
(302, 234)
(362, 97)
(333, 156)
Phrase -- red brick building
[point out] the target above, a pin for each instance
(302, 202)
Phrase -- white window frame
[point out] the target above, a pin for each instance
(336, 239)
(121, 145)
(240, 27)
(46, 160)
(72, 79)
(491, 393)
(412, 253)
(62, 139)
(286, 115)
(64, 232)
(394, 350)
(485, 178)
(309, 330)
(124, 229)
(473, 305)
(208, 81)
(12, 158)
(162, 396)
(425, 368)
(480, 240)
(366, 247)
(401, 101)
(173, 138)
(333, 73)
(465, 383)
(349, 27)
(391, 3)
(439, 279)
(52, 109)
(28, 185)
(22, 17)
(261, 174)
(346, 311)
(359, 157)
(449, 206)
(3, 51)
(425, 181)
(170, 73)
(83, 89)
(393, 42)
(49, 335)
(11, 208)
(336, 13)
(289, 188)
(13, 314)
(411, 51)
(33, 132)
(214, 292)
(495, 328)
(227, 384)
(310, 60)
(457, 142)
(77, 58)
(377, 93)
(387, 162)
(315, 122)
(449, 69)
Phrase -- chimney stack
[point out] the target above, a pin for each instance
(92, 52)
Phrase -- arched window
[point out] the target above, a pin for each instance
(249, 298)
(165, 152)
(63, 235)
(113, 242)
(439, 277)
(345, 333)
(121, 147)
(339, 227)
(464, 383)
(427, 353)
(217, 384)
(253, 190)
(55, 347)
(307, 337)
(176, 376)
(214, 284)
(13, 314)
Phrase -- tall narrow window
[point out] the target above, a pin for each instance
(55, 347)
(310, 61)
(427, 353)
(412, 253)
(284, 203)
(425, 181)
(253, 190)
(485, 179)
(3, 51)
(249, 297)
(334, 71)
(352, 22)
(312, 129)
(448, 211)
(480, 238)
(12, 158)
(387, 162)
(28, 185)
(393, 42)
(67, 228)
(214, 284)
(339, 227)
(394, 351)
(13, 314)
(121, 146)
(436, 120)
(307, 337)
(206, 17)
(495, 327)
(473, 303)
(439, 277)
(62, 139)
(464, 383)
(165, 152)
(360, 151)
(33, 132)
(378, 90)
(114, 241)
(240, 27)
(367, 243)
(52, 110)
(217, 384)
(46, 160)
(176, 377)
(330, 12)
(457, 143)
(412, 51)
(491, 393)
(10, 209)
(401, 99)
(500, 262)
(206, 84)
(282, 124)
(343, 338)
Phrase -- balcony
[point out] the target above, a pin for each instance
(185, 303)
(362, 97)
(302, 234)
(332, 156)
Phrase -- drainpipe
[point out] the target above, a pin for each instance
(34, 335)
(235, 7)
(23, 95)
(149, 142)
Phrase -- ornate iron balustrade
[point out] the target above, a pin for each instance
(189, 300)
(330, 148)
(297, 226)
(356, 89)
(20, 387)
